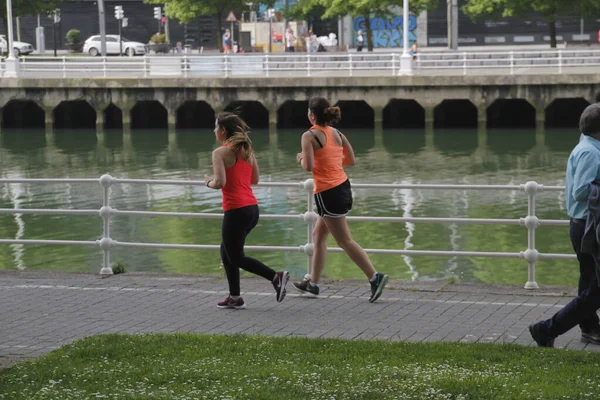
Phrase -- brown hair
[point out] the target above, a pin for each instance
(324, 113)
(236, 131)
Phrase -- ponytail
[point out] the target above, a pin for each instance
(241, 145)
(332, 115)
(237, 135)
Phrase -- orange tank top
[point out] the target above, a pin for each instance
(328, 171)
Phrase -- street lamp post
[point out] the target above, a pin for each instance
(12, 63)
(406, 58)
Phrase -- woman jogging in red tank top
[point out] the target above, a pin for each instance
(235, 169)
(325, 152)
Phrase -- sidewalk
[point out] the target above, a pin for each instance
(40, 311)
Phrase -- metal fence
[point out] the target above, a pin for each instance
(106, 212)
(313, 64)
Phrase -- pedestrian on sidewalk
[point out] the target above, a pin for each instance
(235, 170)
(325, 152)
(227, 42)
(360, 41)
(583, 172)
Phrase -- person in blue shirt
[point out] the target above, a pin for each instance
(583, 168)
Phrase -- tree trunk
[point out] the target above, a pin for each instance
(219, 33)
(369, 32)
(552, 27)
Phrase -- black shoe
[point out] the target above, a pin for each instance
(281, 279)
(377, 287)
(541, 338)
(591, 336)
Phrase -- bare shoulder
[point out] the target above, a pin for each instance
(221, 151)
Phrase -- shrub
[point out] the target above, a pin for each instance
(158, 38)
(74, 36)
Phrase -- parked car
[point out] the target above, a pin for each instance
(20, 48)
(92, 46)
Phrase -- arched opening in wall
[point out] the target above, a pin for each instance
(356, 114)
(149, 114)
(74, 114)
(511, 113)
(253, 112)
(405, 114)
(113, 117)
(195, 115)
(293, 114)
(455, 114)
(565, 113)
(23, 114)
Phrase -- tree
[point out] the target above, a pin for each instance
(29, 7)
(360, 8)
(551, 10)
(188, 10)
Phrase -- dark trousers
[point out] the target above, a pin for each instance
(237, 224)
(582, 310)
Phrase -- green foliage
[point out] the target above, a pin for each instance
(158, 38)
(199, 367)
(550, 9)
(30, 7)
(74, 36)
(119, 267)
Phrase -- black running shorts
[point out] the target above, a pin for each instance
(335, 202)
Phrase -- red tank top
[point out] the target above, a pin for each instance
(237, 192)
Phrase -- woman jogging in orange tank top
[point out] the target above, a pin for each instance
(236, 169)
(325, 152)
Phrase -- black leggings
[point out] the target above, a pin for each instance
(237, 224)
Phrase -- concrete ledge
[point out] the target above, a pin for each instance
(308, 82)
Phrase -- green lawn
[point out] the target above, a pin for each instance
(250, 367)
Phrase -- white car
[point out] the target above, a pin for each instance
(92, 46)
(20, 48)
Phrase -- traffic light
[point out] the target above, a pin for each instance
(157, 13)
(119, 12)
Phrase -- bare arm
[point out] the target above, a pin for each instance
(349, 158)
(255, 171)
(307, 157)
(220, 178)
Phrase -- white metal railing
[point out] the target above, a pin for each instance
(311, 64)
(106, 212)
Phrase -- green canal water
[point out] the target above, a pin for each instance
(444, 156)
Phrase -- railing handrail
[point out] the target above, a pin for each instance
(309, 64)
(106, 212)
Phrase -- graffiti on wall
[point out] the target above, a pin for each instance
(388, 32)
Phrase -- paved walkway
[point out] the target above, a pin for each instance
(41, 311)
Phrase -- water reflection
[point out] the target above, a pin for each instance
(383, 156)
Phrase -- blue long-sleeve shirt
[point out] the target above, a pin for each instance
(583, 168)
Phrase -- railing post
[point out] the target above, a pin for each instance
(311, 219)
(64, 65)
(512, 63)
(560, 61)
(393, 64)
(145, 66)
(185, 66)
(267, 64)
(531, 222)
(226, 65)
(464, 63)
(106, 213)
(104, 66)
(350, 61)
(308, 63)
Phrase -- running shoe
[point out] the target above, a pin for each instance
(377, 287)
(231, 303)
(305, 287)
(281, 279)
